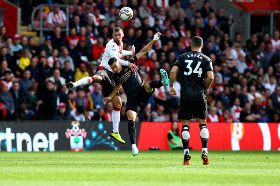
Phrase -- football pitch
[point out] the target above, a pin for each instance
(148, 168)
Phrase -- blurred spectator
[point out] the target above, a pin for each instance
(76, 24)
(110, 16)
(214, 95)
(98, 48)
(62, 114)
(253, 42)
(175, 9)
(7, 101)
(225, 71)
(4, 56)
(225, 42)
(261, 56)
(24, 60)
(81, 53)
(153, 16)
(8, 78)
(32, 48)
(99, 116)
(24, 43)
(275, 97)
(97, 17)
(88, 100)
(88, 114)
(157, 116)
(253, 94)
(145, 115)
(206, 9)
(268, 53)
(63, 97)
(33, 69)
(73, 38)
(275, 41)
(25, 82)
(237, 38)
(44, 72)
(217, 73)
(80, 99)
(236, 110)
(226, 97)
(210, 29)
(268, 73)
(57, 79)
(30, 100)
(241, 66)
(108, 111)
(276, 118)
(123, 95)
(59, 41)
(271, 84)
(93, 67)
(173, 137)
(81, 72)
(71, 14)
(47, 105)
(97, 96)
(190, 11)
(22, 113)
(259, 87)
(226, 116)
(196, 29)
(263, 116)
(3, 33)
(66, 58)
(46, 46)
(212, 116)
(56, 18)
(123, 113)
(15, 94)
(15, 45)
(78, 114)
(53, 58)
(143, 10)
(8, 43)
(81, 14)
(71, 100)
(247, 115)
(236, 51)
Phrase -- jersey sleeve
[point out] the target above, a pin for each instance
(178, 62)
(209, 66)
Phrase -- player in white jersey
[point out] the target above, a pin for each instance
(275, 41)
(114, 48)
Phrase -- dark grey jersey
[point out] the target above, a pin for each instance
(193, 67)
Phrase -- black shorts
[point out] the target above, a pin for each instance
(107, 82)
(190, 109)
(136, 98)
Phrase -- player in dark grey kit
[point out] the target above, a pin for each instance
(194, 68)
(136, 89)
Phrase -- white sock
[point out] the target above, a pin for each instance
(116, 120)
(83, 81)
(186, 151)
(134, 146)
(205, 150)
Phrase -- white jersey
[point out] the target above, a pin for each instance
(111, 50)
(275, 44)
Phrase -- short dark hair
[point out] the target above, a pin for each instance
(117, 29)
(112, 61)
(197, 42)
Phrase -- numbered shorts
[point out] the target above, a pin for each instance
(136, 98)
(107, 82)
(190, 109)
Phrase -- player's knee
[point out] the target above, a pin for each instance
(117, 101)
(204, 133)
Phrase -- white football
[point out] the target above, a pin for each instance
(126, 13)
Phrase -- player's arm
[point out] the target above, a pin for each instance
(129, 53)
(115, 90)
(113, 53)
(148, 46)
(172, 78)
(209, 80)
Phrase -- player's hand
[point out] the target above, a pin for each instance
(106, 99)
(157, 36)
(172, 91)
(133, 67)
(133, 49)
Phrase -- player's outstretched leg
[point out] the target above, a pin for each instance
(131, 115)
(84, 81)
(164, 77)
(204, 135)
(116, 100)
(185, 140)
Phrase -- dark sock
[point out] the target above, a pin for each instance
(185, 141)
(156, 84)
(204, 141)
(132, 131)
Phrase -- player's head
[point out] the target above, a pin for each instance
(115, 65)
(118, 34)
(197, 43)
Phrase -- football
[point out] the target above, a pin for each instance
(126, 13)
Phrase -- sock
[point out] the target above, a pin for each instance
(204, 135)
(116, 114)
(186, 151)
(84, 81)
(205, 150)
(185, 138)
(156, 84)
(132, 131)
(134, 146)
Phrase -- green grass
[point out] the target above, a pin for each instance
(148, 168)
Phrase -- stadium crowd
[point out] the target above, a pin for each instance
(246, 85)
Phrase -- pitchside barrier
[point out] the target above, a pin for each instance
(80, 136)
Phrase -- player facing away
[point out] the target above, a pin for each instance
(194, 68)
(137, 90)
(114, 48)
